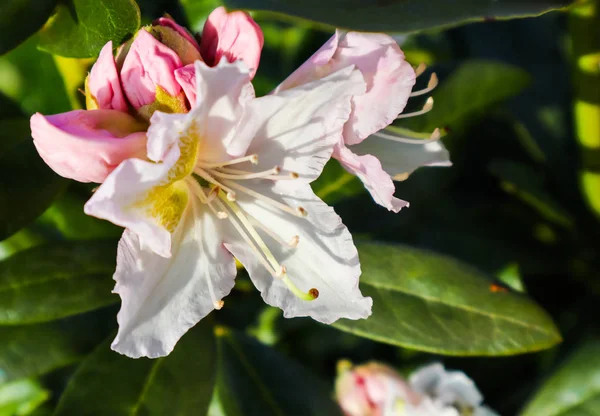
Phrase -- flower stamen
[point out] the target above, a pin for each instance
(207, 177)
(251, 158)
(435, 136)
(433, 82)
(426, 108)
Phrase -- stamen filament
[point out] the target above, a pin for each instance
(433, 82)
(199, 192)
(243, 175)
(206, 176)
(291, 244)
(426, 108)
(295, 211)
(420, 69)
(248, 240)
(246, 223)
(251, 158)
(312, 294)
(435, 136)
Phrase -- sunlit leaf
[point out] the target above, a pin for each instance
(21, 397)
(80, 28)
(56, 280)
(108, 383)
(399, 15)
(429, 302)
(254, 379)
(20, 19)
(574, 390)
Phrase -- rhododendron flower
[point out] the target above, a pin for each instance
(231, 178)
(375, 389)
(153, 71)
(375, 157)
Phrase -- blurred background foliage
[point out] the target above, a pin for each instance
(494, 268)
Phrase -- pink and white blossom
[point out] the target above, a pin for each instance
(375, 157)
(231, 178)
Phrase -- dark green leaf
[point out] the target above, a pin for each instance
(27, 185)
(32, 350)
(21, 397)
(80, 28)
(180, 384)
(468, 91)
(429, 302)
(399, 15)
(20, 19)
(56, 280)
(254, 379)
(335, 183)
(574, 390)
(528, 185)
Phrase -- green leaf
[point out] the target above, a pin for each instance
(469, 91)
(56, 280)
(21, 397)
(429, 302)
(80, 28)
(574, 390)
(20, 19)
(399, 15)
(254, 379)
(27, 185)
(528, 185)
(335, 183)
(108, 383)
(33, 350)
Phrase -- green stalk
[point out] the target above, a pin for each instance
(584, 28)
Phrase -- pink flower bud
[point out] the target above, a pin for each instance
(372, 390)
(103, 87)
(149, 64)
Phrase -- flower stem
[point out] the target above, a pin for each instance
(584, 28)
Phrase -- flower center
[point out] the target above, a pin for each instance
(217, 184)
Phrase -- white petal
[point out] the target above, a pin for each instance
(221, 92)
(400, 159)
(296, 129)
(325, 257)
(163, 298)
(120, 200)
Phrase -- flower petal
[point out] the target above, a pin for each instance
(400, 159)
(168, 22)
(296, 129)
(234, 35)
(388, 76)
(103, 82)
(163, 298)
(325, 257)
(369, 171)
(87, 145)
(149, 64)
(140, 196)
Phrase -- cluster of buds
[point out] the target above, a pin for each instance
(375, 389)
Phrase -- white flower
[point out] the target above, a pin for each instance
(231, 178)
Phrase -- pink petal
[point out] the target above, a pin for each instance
(376, 180)
(234, 35)
(186, 77)
(87, 145)
(389, 82)
(314, 68)
(149, 64)
(104, 84)
(169, 22)
(379, 58)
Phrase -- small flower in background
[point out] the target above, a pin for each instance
(375, 389)
(374, 156)
(153, 71)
